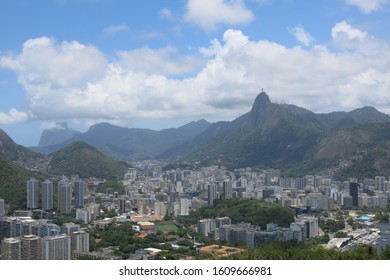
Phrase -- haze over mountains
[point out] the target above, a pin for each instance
(270, 135)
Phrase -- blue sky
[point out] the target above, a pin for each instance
(159, 64)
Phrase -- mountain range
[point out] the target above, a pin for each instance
(270, 135)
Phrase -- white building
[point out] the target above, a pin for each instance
(184, 206)
(56, 247)
(84, 215)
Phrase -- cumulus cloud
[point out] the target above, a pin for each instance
(44, 62)
(302, 36)
(207, 17)
(13, 116)
(368, 6)
(143, 83)
(346, 36)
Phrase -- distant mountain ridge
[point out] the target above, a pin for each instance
(137, 143)
(57, 135)
(270, 135)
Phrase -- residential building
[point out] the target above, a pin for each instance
(79, 194)
(10, 249)
(79, 241)
(30, 247)
(47, 195)
(64, 196)
(32, 193)
(353, 192)
(56, 247)
(211, 194)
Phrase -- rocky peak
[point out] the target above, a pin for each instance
(259, 107)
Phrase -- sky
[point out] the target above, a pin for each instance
(159, 64)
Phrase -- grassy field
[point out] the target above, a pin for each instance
(167, 227)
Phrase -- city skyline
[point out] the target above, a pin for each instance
(186, 61)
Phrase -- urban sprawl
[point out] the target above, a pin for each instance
(151, 195)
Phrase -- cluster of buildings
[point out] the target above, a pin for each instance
(303, 228)
(151, 194)
(177, 192)
(23, 238)
(72, 194)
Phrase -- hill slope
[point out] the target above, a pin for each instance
(298, 141)
(13, 183)
(86, 161)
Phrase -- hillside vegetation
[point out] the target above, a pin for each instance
(13, 183)
(82, 159)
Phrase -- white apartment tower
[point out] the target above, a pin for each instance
(32, 193)
(56, 247)
(184, 206)
(47, 195)
(64, 196)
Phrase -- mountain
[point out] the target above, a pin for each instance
(269, 134)
(86, 161)
(20, 155)
(133, 143)
(297, 140)
(363, 149)
(57, 135)
(283, 136)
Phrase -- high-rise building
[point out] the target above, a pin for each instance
(79, 241)
(211, 194)
(2, 207)
(380, 183)
(79, 194)
(30, 247)
(64, 196)
(184, 206)
(10, 249)
(47, 195)
(68, 228)
(160, 209)
(353, 192)
(227, 189)
(56, 247)
(32, 193)
(94, 210)
(122, 205)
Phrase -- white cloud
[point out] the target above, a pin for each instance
(215, 12)
(13, 116)
(69, 80)
(368, 6)
(113, 30)
(302, 36)
(346, 36)
(44, 62)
